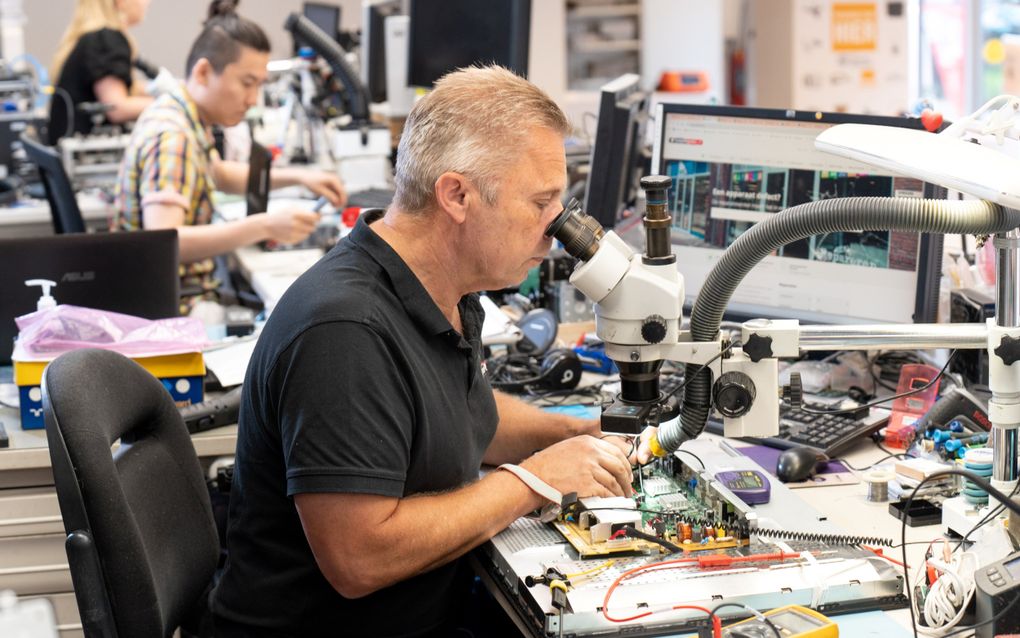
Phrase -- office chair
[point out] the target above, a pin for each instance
(59, 193)
(141, 541)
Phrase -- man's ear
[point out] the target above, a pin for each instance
(455, 194)
(202, 71)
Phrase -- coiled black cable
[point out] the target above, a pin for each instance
(821, 537)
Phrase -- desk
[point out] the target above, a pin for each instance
(271, 273)
(32, 558)
(32, 218)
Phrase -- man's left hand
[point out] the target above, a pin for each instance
(327, 185)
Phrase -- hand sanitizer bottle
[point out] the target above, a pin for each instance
(46, 301)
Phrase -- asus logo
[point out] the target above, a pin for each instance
(87, 275)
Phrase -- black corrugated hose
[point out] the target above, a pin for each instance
(799, 222)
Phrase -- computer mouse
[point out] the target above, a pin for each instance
(799, 463)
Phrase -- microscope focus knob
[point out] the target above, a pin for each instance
(1008, 350)
(653, 328)
(734, 393)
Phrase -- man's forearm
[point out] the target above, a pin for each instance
(523, 429)
(285, 176)
(208, 240)
(422, 532)
(230, 177)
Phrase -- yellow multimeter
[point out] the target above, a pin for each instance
(792, 621)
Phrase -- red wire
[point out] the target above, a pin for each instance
(631, 572)
(672, 564)
(879, 553)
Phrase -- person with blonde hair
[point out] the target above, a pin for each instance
(93, 63)
(366, 413)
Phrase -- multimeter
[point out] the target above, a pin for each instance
(997, 586)
(792, 621)
(750, 486)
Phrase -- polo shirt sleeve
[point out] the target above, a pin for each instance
(167, 171)
(346, 413)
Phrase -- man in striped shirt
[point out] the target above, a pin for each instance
(170, 168)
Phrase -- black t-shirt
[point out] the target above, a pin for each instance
(358, 383)
(97, 54)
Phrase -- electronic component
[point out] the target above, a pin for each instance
(792, 621)
(750, 486)
(998, 587)
(672, 510)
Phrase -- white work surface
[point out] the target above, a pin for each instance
(271, 273)
(32, 217)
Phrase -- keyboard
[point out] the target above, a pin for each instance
(830, 433)
(371, 198)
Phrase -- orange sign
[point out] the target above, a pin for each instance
(854, 26)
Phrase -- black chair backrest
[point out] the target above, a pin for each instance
(59, 192)
(141, 540)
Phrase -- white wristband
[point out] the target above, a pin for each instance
(535, 484)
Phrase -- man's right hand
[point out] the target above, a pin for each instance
(290, 225)
(585, 465)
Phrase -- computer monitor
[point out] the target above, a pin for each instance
(613, 174)
(134, 273)
(451, 34)
(325, 16)
(373, 45)
(732, 167)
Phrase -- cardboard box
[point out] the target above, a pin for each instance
(181, 374)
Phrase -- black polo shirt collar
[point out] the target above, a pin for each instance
(420, 306)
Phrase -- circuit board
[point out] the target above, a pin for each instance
(673, 509)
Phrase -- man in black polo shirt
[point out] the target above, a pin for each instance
(366, 416)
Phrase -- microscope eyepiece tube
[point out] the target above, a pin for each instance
(578, 232)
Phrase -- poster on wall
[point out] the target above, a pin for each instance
(851, 56)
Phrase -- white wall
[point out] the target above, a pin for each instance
(171, 26)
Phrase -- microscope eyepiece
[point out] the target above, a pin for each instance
(579, 233)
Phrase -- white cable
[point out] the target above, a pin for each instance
(950, 595)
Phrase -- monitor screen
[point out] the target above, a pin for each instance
(732, 167)
(133, 273)
(450, 34)
(324, 16)
(613, 174)
(373, 45)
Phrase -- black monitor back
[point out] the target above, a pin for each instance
(134, 273)
(451, 34)
(64, 209)
(323, 15)
(373, 45)
(257, 193)
(613, 174)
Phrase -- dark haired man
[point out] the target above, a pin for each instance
(170, 167)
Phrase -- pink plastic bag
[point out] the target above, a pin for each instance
(46, 334)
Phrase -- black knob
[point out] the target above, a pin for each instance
(656, 186)
(1008, 350)
(653, 329)
(794, 392)
(734, 394)
(758, 347)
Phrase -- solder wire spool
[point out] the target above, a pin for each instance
(978, 461)
(878, 485)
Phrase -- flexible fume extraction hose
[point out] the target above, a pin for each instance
(815, 218)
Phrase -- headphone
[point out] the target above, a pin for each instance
(559, 369)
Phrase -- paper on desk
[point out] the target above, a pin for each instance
(229, 363)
